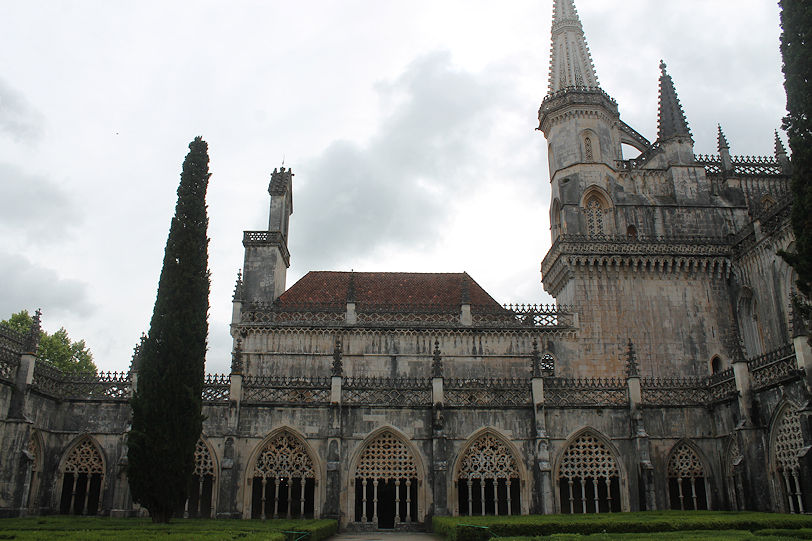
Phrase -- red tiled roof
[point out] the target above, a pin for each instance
(385, 289)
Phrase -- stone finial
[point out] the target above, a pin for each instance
(632, 370)
(721, 140)
(236, 357)
(780, 150)
(338, 353)
(138, 350)
(437, 361)
(570, 61)
(239, 288)
(670, 118)
(281, 180)
(535, 360)
(34, 333)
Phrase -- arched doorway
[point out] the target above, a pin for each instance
(589, 477)
(488, 480)
(687, 482)
(283, 479)
(786, 442)
(200, 503)
(386, 482)
(82, 479)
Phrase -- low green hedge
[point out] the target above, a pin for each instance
(136, 529)
(470, 528)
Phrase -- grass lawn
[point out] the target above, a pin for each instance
(643, 525)
(137, 529)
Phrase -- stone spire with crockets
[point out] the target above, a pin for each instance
(570, 61)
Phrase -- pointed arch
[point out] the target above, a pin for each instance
(555, 218)
(489, 476)
(82, 474)
(386, 480)
(282, 477)
(749, 325)
(688, 484)
(201, 502)
(590, 146)
(590, 476)
(785, 443)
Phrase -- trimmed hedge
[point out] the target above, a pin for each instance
(470, 528)
(136, 529)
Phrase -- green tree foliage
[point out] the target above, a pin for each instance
(796, 50)
(167, 418)
(58, 349)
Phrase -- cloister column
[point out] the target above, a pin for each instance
(645, 468)
(438, 437)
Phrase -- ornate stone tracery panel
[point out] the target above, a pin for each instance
(685, 463)
(204, 464)
(787, 440)
(588, 457)
(386, 457)
(84, 458)
(488, 458)
(284, 456)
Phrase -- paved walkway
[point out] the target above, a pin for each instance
(385, 536)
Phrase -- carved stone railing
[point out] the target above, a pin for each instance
(722, 386)
(675, 391)
(774, 367)
(264, 313)
(408, 314)
(585, 392)
(372, 391)
(107, 386)
(102, 386)
(526, 315)
(9, 361)
(487, 392)
(286, 390)
(216, 388)
(743, 166)
(641, 160)
(11, 340)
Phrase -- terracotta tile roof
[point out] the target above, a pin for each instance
(389, 289)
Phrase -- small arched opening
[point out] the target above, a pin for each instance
(82, 478)
(688, 488)
(589, 477)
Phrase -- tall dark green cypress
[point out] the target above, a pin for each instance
(167, 418)
(796, 50)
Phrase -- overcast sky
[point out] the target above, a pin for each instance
(409, 126)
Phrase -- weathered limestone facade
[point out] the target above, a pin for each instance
(671, 373)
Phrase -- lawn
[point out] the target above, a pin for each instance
(644, 525)
(137, 529)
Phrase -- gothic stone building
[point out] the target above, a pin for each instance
(671, 372)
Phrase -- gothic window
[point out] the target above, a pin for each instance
(488, 480)
(199, 503)
(82, 476)
(786, 443)
(716, 364)
(555, 217)
(386, 483)
(588, 477)
(588, 157)
(35, 453)
(594, 210)
(284, 479)
(767, 203)
(687, 482)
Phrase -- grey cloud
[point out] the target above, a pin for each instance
(34, 206)
(391, 190)
(17, 117)
(29, 286)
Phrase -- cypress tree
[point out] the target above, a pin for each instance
(796, 50)
(167, 418)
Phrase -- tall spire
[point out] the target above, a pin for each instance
(780, 151)
(570, 61)
(721, 140)
(671, 119)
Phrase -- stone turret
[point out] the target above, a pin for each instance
(266, 252)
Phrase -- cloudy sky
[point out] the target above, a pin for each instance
(409, 125)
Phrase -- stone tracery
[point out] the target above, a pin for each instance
(588, 477)
(488, 478)
(787, 441)
(82, 476)
(283, 475)
(685, 465)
